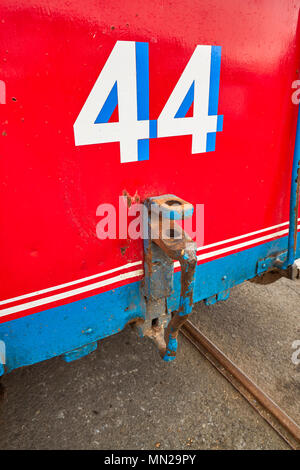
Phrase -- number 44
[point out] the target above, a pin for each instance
(124, 81)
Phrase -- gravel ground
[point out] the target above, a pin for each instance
(123, 396)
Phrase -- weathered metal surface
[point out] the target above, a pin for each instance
(57, 278)
(171, 207)
(294, 198)
(272, 261)
(80, 352)
(173, 241)
(51, 58)
(159, 268)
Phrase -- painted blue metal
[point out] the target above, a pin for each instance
(294, 198)
(178, 247)
(238, 267)
(223, 295)
(80, 352)
(55, 331)
(171, 348)
(270, 261)
(185, 304)
(217, 297)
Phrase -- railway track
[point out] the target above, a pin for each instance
(258, 399)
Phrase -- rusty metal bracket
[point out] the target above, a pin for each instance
(272, 268)
(164, 242)
(275, 260)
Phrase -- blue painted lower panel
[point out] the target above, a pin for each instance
(223, 273)
(53, 332)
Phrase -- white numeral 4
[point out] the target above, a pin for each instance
(197, 84)
(124, 81)
(116, 84)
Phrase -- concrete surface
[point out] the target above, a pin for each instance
(256, 328)
(123, 396)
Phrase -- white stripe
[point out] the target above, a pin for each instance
(204, 247)
(237, 246)
(241, 245)
(67, 284)
(71, 293)
(136, 263)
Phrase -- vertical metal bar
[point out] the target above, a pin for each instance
(294, 199)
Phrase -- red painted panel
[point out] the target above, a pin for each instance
(51, 54)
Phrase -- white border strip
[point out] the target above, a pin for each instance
(241, 245)
(131, 274)
(71, 293)
(204, 247)
(67, 284)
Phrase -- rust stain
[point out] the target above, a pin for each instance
(123, 250)
(148, 258)
(131, 199)
(177, 244)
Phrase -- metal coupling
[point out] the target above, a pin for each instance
(164, 242)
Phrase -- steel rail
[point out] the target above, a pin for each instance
(258, 399)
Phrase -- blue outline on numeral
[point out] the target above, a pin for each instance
(109, 106)
(186, 103)
(214, 85)
(153, 129)
(142, 88)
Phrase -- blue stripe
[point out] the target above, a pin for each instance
(57, 330)
(187, 102)
(142, 80)
(215, 68)
(211, 141)
(142, 87)
(143, 150)
(220, 123)
(152, 129)
(109, 106)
